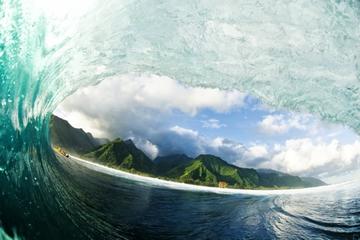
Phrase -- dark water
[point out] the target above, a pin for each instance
(132, 210)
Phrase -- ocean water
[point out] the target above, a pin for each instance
(298, 55)
(145, 209)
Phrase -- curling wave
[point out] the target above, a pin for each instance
(300, 55)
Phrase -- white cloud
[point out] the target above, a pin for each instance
(257, 151)
(280, 123)
(184, 131)
(183, 140)
(213, 123)
(229, 150)
(165, 94)
(302, 156)
(137, 107)
(305, 156)
(80, 120)
(132, 103)
(150, 149)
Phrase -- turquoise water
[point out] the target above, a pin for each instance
(298, 55)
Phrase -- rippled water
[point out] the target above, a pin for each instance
(300, 55)
(140, 210)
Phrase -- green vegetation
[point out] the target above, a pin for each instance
(165, 163)
(270, 178)
(210, 170)
(72, 139)
(312, 182)
(205, 169)
(122, 154)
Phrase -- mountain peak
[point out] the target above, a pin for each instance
(205, 169)
(129, 142)
(207, 158)
(117, 140)
(123, 154)
(72, 139)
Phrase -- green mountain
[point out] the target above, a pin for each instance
(166, 163)
(205, 169)
(122, 154)
(72, 139)
(312, 182)
(210, 170)
(272, 178)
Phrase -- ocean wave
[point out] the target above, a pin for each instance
(298, 55)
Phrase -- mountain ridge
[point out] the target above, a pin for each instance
(122, 154)
(205, 169)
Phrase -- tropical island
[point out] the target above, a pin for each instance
(204, 169)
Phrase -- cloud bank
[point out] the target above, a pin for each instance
(141, 107)
(132, 105)
(280, 123)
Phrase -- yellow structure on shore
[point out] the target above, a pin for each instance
(223, 184)
(61, 151)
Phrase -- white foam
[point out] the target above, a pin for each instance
(190, 187)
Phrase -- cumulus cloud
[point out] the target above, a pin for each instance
(137, 107)
(150, 149)
(139, 104)
(313, 157)
(227, 149)
(281, 123)
(257, 151)
(212, 123)
(184, 131)
(182, 140)
(302, 156)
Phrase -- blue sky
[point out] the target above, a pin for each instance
(163, 117)
(242, 124)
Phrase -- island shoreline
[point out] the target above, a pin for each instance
(157, 182)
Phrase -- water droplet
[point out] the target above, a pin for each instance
(3, 103)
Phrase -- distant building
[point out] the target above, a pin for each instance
(61, 151)
(223, 184)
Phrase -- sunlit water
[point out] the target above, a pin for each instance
(141, 209)
(299, 55)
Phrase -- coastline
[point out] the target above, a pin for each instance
(157, 182)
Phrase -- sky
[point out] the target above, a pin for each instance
(164, 117)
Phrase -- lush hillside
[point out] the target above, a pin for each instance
(122, 154)
(272, 178)
(166, 163)
(72, 139)
(210, 170)
(312, 182)
(205, 169)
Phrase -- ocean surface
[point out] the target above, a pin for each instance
(298, 55)
(137, 208)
